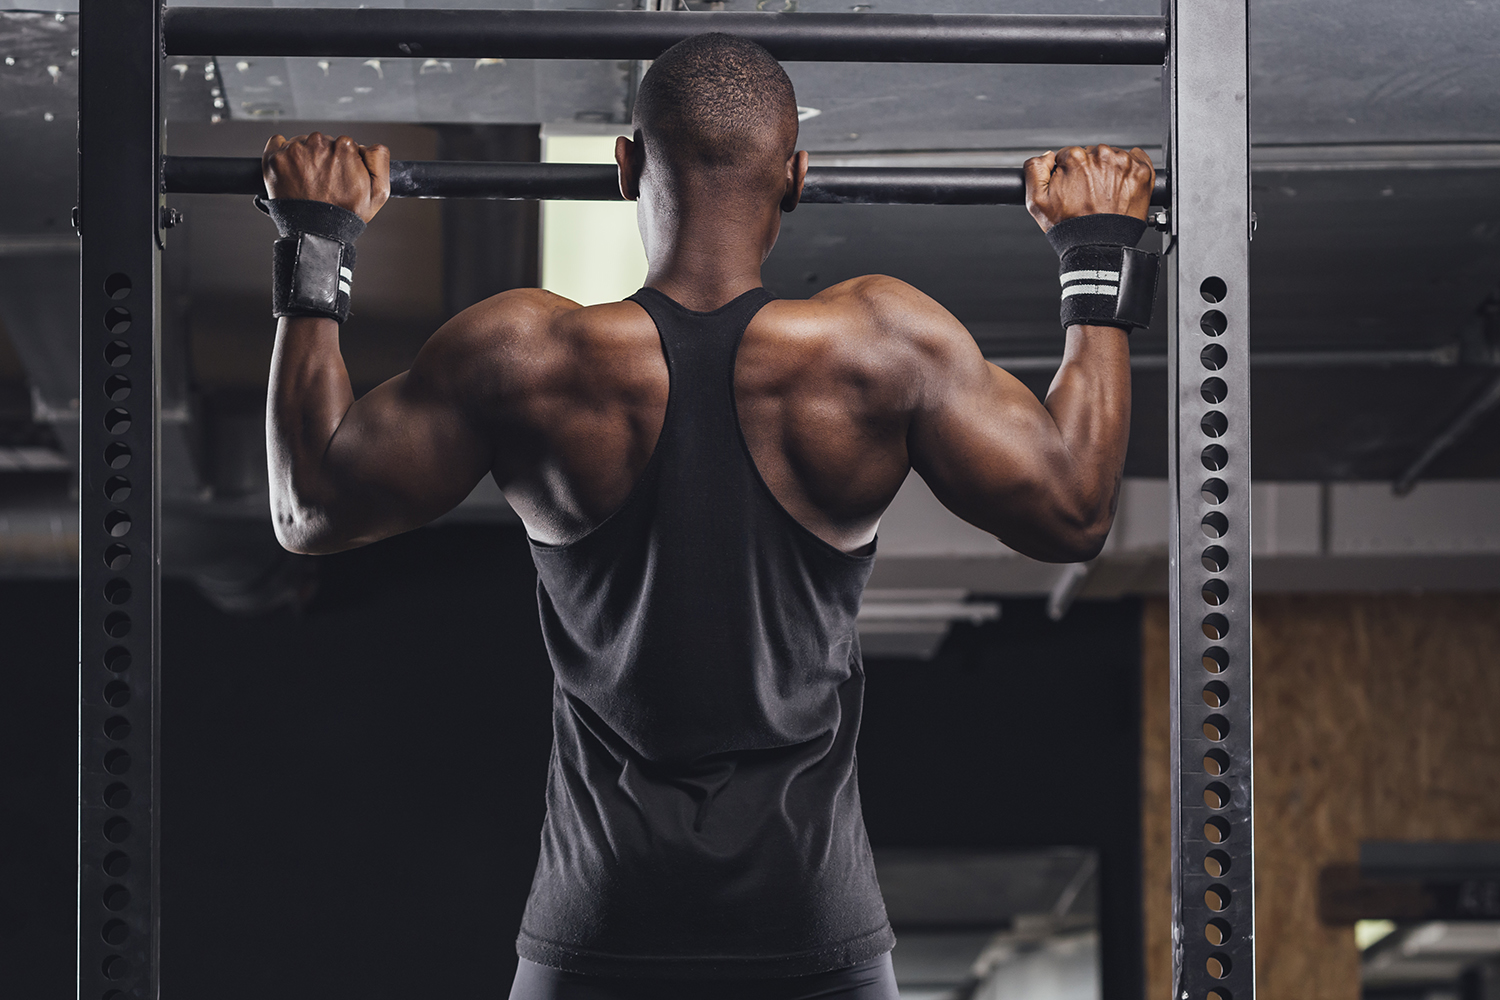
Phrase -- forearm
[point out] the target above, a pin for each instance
(1089, 402)
(307, 398)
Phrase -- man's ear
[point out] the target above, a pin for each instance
(629, 155)
(796, 176)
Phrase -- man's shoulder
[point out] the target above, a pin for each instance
(531, 328)
(866, 313)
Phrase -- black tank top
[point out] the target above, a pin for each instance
(703, 813)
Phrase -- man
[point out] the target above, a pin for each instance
(701, 469)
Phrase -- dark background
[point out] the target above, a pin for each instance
(352, 792)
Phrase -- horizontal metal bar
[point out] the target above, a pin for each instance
(614, 34)
(598, 182)
(1448, 437)
(1437, 357)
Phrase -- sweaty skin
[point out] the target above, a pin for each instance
(839, 395)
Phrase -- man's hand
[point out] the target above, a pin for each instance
(339, 171)
(1077, 181)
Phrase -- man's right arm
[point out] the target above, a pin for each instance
(1044, 476)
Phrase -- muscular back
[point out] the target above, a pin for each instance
(823, 399)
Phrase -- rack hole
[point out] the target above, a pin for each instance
(1214, 357)
(1217, 897)
(117, 455)
(1213, 323)
(117, 489)
(1217, 863)
(117, 523)
(116, 864)
(117, 387)
(1215, 491)
(1216, 829)
(1216, 762)
(117, 286)
(117, 658)
(117, 320)
(116, 829)
(1215, 694)
(1215, 524)
(117, 694)
(1217, 931)
(1214, 423)
(1218, 965)
(117, 727)
(1219, 993)
(117, 796)
(114, 932)
(1215, 626)
(117, 762)
(117, 556)
(117, 420)
(1215, 592)
(1216, 728)
(1214, 457)
(1216, 795)
(117, 625)
(117, 353)
(1213, 289)
(117, 591)
(1214, 390)
(1216, 659)
(1215, 559)
(114, 966)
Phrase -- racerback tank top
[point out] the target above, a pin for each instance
(703, 813)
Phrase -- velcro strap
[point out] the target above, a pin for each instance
(312, 275)
(312, 269)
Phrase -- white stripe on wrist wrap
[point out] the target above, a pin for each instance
(1105, 280)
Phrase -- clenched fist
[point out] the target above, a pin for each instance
(339, 171)
(1077, 181)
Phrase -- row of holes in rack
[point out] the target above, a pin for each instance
(1215, 591)
(117, 624)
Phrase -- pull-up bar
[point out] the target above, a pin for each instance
(622, 34)
(599, 182)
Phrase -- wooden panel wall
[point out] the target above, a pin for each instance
(1374, 720)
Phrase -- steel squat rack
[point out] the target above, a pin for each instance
(1202, 45)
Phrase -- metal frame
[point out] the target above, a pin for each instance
(122, 183)
(1207, 89)
(118, 506)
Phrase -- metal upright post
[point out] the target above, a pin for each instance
(1208, 95)
(118, 578)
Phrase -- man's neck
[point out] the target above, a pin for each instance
(707, 258)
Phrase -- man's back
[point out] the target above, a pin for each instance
(703, 811)
(824, 390)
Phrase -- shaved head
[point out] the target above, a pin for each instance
(714, 102)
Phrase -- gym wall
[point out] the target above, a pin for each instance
(1373, 721)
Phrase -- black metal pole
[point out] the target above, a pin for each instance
(598, 182)
(612, 34)
(118, 503)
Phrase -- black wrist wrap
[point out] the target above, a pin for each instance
(1106, 281)
(312, 265)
